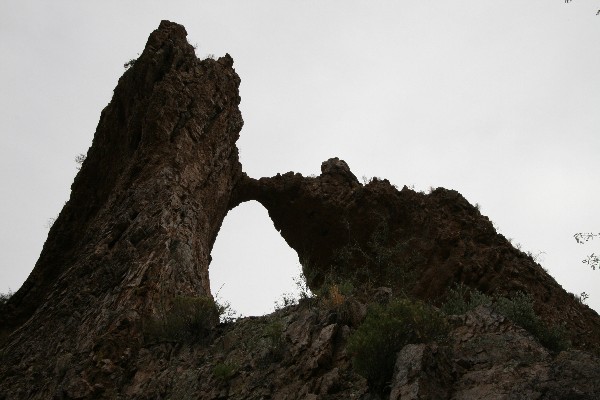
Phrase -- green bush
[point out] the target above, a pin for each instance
(273, 331)
(518, 308)
(462, 299)
(188, 319)
(224, 371)
(385, 331)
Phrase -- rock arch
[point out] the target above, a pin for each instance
(150, 198)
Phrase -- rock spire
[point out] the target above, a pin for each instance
(138, 230)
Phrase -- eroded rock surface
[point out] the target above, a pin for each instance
(137, 233)
(488, 357)
(414, 242)
(138, 229)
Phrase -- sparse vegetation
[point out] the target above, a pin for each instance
(537, 257)
(385, 331)
(4, 297)
(225, 371)
(335, 297)
(227, 314)
(51, 222)
(518, 308)
(582, 298)
(130, 63)
(381, 261)
(79, 159)
(592, 260)
(303, 293)
(286, 300)
(189, 319)
(273, 331)
(461, 299)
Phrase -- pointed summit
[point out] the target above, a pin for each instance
(143, 215)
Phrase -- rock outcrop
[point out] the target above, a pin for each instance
(413, 242)
(144, 212)
(132, 247)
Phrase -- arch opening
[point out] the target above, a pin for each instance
(252, 266)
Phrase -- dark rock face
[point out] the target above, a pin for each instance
(490, 358)
(137, 234)
(144, 213)
(415, 242)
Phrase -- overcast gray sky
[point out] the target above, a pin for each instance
(498, 100)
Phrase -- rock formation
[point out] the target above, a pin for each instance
(409, 241)
(133, 243)
(144, 212)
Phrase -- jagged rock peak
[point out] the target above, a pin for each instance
(336, 167)
(138, 229)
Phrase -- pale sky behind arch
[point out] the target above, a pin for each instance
(498, 100)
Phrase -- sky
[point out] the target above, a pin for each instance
(498, 100)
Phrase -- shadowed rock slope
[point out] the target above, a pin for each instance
(421, 244)
(116, 306)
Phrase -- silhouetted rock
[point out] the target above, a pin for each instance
(413, 242)
(138, 230)
(118, 305)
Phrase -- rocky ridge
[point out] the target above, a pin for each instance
(136, 236)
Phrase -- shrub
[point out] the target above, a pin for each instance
(333, 294)
(302, 294)
(286, 300)
(593, 260)
(385, 331)
(273, 331)
(335, 298)
(188, 319)
(226, 313)
(302, 288)
(224, 371)
(4, 297)
(518, 308)
(381, 260)
(79, 159)
(129, 63)
(462, 299)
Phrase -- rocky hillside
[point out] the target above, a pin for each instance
(416, 295)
